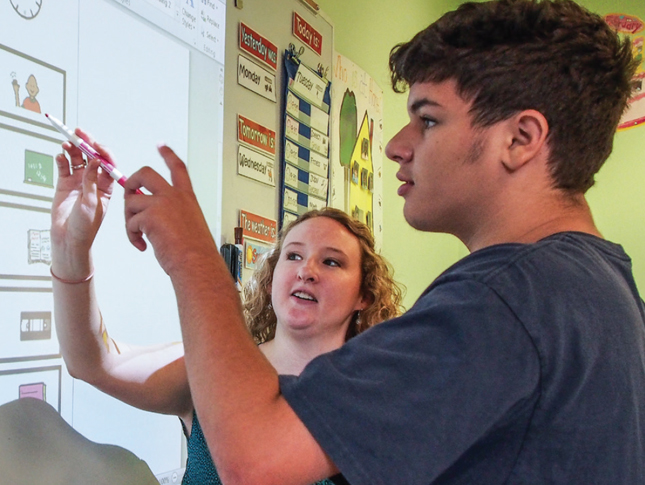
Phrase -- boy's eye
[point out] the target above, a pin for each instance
(428, 122)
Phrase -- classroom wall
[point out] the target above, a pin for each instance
(273, 20)
(365, 31)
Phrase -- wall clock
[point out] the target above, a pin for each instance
(27, 9)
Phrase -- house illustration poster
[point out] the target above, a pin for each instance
(361, 187)
(356, 141)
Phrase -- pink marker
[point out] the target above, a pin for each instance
(89, 151)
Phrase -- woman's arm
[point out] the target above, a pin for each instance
(151, 378)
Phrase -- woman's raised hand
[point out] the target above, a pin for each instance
(80, 203)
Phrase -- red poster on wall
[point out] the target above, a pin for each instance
(257, 46)
(307, 34)
(258, 227)
(255, 135)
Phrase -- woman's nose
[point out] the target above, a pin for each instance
(307, 272)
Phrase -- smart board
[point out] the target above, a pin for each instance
(132, 73)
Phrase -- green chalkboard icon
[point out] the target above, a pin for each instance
(39, 169)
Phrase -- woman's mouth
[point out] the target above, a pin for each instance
(301, 295)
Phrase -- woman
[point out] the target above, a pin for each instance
(322, 284)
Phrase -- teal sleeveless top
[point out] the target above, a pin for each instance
(200, 469)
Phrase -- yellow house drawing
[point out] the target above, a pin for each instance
(361, 187)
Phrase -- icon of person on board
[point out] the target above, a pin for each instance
(30, 102)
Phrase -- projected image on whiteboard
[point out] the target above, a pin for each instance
(33, 86)
(129, 76)
(37, 383)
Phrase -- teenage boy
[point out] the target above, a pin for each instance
(524, 363)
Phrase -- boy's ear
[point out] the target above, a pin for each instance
(527, 134)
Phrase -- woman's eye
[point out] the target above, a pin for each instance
(332, 262)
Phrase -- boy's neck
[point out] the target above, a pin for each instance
(533, 221)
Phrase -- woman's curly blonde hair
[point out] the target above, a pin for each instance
(378, 285)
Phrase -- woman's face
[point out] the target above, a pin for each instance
(317, 279)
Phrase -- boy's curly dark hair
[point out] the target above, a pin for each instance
(553, 56)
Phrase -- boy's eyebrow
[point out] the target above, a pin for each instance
(419, 103)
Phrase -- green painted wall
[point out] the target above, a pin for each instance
(618, 198)
(365, 31)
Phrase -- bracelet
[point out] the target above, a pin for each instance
(72, 282)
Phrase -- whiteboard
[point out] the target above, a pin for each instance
(132, 85)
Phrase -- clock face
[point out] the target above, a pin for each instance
(27, 9)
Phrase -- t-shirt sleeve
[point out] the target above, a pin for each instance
(402, 402)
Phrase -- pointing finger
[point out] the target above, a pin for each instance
(178, 171)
